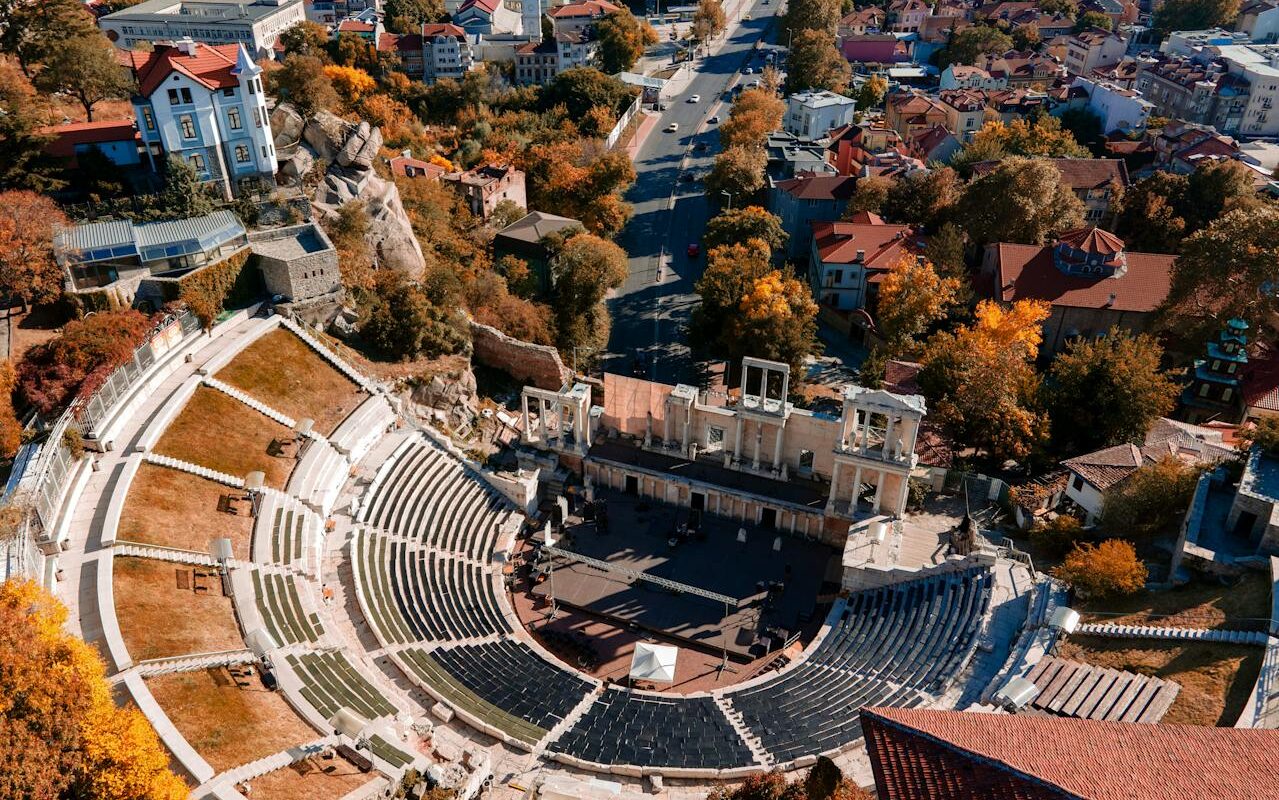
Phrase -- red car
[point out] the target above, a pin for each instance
(694, 250)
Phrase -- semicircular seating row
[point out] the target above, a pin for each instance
(423, 575)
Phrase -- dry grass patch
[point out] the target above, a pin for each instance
(162, 615)
(1201, 604)
(221, 433)
(281, 371)
(1216, 679)
(312, 779)
(227, 724)
(178, 509)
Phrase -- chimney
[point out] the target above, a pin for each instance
(186, 45)
(860, 258)
(1110, 301)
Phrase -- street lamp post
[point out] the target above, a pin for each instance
(729, 195)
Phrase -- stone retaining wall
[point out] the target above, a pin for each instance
(537, 364)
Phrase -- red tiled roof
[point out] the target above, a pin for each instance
(355, 26)
(586, 8)
(866, 218)
(808, 186)
(401, 165)
(1104, 468)
(881, 245)
(432, 29)
(489, 6)
(1027, 272)
(1078, 173)
(210, 66)
(66, 137)
(1000, 756)
(1093, 240)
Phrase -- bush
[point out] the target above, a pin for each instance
(404, 324)
(53, 373)
(1104, 570)
(1150, 501)
(1058, 535)
(205, 292)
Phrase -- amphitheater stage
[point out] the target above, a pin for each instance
(638, 539)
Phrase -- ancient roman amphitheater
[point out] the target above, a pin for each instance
(278, 563)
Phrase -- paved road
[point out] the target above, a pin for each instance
(651, 311)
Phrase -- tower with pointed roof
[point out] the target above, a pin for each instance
(1213, 391)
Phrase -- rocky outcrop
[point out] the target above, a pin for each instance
(350, 150)
(286, 125)
(453, 401)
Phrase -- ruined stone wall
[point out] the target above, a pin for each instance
(536, 364)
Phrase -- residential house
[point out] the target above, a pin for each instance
(1259, 19)
(205, 104)
(1123, 74)
(117, 140)
(487, 185)
(537, 63)
(934, 144)
(1019, 103)
(907, 15)
(848, 260)
(852, 146)
(1216, 387)
(859, 23)
(370, 30)
(965, 111)
(1092, 475)
(1097, 182)
(925, 754)
(1023, 70)
(1092, 49)
(407, 49)
(406, 166)
(524, 239)
(255, 24)
(912, 111)
(1118, 109)
(1233, 88)
(874, 48)
(814, 113)
(789, 156)
(960, 76)
(446, 52)
(1090, 280)
(803, 199)
(1187, 44)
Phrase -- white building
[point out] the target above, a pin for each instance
(1118, 108)
(810, 114)
(206, 105)
(256, 24)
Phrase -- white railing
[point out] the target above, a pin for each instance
(625, 120)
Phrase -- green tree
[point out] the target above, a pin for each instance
(1025, 37)
(584, 270)
(739, 171)
(946, 248)
(1085, 127)
(1226, 270)
(872, 93)
(1216, 187)
(1020, 200)
(352, 50)
(1092, 19)
(744, 223)
(86, 69)
(815, 15)
(622, 38)
(869, 195)
(404, 323)
(580, 89)
(183, 196)
(1105, 570)
(1068, 7)
(1150, 501)
(923, 197)
(24, 113)
(34, 32)
(306, 38)
(1150, 217)
(407, 16)
(1194, 15)
(1107, 391)
(814, 63)
(973, 42)
(731, 269)
(301, 81)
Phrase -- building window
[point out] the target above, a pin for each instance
(714, 439)
(148, 119)
(233, 116)
(241, 154)
(188, 126)
(197, 161)
(1079, 484)
(173, 97)
(1226, 394)
(186, 96)
(806, 460)
(228, 91)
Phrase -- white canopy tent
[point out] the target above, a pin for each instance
(654, 662)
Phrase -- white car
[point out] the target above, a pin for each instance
(674, 126)
(697, 98)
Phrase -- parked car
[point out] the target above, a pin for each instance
(674, 126)
(694, 250)
(713, 120)
(749, 70)
(697, 98)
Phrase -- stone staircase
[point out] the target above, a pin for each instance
(275, 761)
(194, 469)
(161, 553)
(752, 742)
(191, 663)
(249, 400)
(1114, 631)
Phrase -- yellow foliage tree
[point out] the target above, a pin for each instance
(1043, 137)
(778, 319)
(912, 297)
(63, 735)
(1110, 568)
(350, 82)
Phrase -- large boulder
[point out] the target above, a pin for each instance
(361, 147)
(286, 125)
(296, 166)
(390, 231)
(326, 133)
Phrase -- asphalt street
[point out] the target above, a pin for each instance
(651, 310)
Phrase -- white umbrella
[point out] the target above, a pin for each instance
(654, 662)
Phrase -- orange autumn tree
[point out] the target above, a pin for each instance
(778, 320)
(63, 735)
(981, 381)
(28, 271)
(350, 82)
(1104, 570)
(912, 298)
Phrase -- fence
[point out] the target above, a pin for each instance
(45, 480)
(629, 114)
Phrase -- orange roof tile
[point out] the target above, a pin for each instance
(210, 66)
(1027, 272)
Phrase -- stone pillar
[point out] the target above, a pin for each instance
(759, 438)
(688, 419)
(541, 420)
(666, 426)
(879, 493)
(559, 422)
(903, 496)
(857, 487)
(528, 427)
(888, 438)
(834, 486)
(777, 447)
(584, 411)
(737, 443)
(865, 430)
